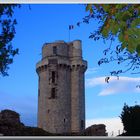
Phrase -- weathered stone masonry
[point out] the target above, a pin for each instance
(61, 93)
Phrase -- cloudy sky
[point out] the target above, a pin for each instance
(47, 23)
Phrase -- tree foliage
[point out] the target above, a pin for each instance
(121, 21)
(130, 117)
(7, 33)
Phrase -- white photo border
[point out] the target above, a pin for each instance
(68, 2)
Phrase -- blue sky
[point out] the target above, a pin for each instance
(48, 23)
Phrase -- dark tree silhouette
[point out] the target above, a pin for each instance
(130, 117)
(7, 33)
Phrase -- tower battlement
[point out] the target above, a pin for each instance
(61, 95)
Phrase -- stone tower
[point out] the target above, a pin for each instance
(61, 97)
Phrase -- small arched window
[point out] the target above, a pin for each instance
(82, 124)
(53, 76)
(54, 50)
(53, 93)
(38, 92)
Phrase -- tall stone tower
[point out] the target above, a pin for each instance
(61, 92)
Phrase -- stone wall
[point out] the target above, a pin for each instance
(10, 125)
(9, 117)
(96, 130)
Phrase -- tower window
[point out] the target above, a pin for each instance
(54, 50)
(64, 120)
(82, 123)
(53, 93)
(38, 92)
(53, 76)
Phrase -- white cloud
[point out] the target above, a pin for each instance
(91, 70)
(112, 125)
(91, 82)
(115, 85)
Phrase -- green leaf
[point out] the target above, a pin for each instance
(121, 37)
(131, 46)
(135, 22)
(105, 32)
(124, 45)
(138, 49)
(123, 25)
(115, 28)
(89, 7)
(106, 7)
(125, 15)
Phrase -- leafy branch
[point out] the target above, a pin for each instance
(7, 33)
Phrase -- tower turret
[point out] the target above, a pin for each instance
(78, 68)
